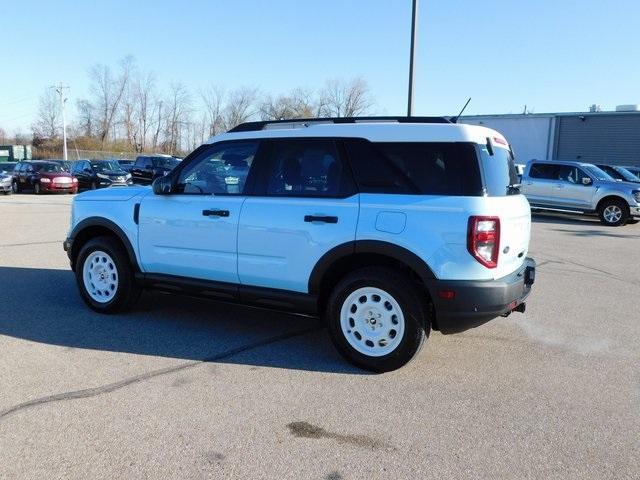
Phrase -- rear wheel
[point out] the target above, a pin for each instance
(377, 320)
(105, 276)
(614, 212)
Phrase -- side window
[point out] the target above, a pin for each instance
(545, 171)
(570, 174)
(433, 168)
(306, 168)
(220, 169)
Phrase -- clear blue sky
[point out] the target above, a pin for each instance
(557, 55)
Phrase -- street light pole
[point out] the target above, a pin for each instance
(414, 20)
(63, 100)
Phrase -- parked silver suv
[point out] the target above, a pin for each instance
(580, 188)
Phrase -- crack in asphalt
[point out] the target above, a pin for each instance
(596, 271)
(31, 243)
(95, 391)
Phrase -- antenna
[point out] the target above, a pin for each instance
(455, 119)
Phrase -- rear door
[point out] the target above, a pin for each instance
(540, 185)
(193, 231)
(304, 205)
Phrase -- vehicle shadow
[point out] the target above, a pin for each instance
(591, 233)
(43, 305)
(563, 219)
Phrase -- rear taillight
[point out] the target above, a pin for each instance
(483, 240)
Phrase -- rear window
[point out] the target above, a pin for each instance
(432, 168)
(500, 174)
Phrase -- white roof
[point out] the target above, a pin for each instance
(374, 131)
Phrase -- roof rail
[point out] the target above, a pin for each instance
(306, 122)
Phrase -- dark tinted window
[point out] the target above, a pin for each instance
(218, 169)
(416, 168)
(165, 162)
(306, 167)
(546, 171)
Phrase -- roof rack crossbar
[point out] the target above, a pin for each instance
(254, 126)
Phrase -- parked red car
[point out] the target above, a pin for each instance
(43, 177)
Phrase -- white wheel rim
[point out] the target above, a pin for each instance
(100, 276)
(612, 213)
(372, 321)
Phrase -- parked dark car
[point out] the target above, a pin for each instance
(42, 177)
(149, 167)
(634, 170)
(126, 164)
(5, 183)
(619, 173)
(92, 174)
(7, 167)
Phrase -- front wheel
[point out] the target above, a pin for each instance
(36, 188)
(377, 319)
(15, 187)
(614, 212)
(105, 276)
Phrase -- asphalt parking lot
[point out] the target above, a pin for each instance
(181, 388)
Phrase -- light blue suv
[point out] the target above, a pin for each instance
(387, 227)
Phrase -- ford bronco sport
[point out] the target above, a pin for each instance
(387, 227)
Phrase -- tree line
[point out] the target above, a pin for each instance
(126, 109)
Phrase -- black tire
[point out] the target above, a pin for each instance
(413, 308)
(127, 291)
(613, 203)
(36, 188)
(15, 186)
(93, 186)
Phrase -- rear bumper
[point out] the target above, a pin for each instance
(477, 302)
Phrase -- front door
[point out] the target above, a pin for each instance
(192, 232)
(304, 205)
(571, 189)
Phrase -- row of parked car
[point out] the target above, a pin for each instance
(611, 192)
(61, 176)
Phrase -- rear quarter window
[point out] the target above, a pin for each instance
(423, 168)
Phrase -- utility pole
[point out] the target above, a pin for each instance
(60, 89)
(414, 20)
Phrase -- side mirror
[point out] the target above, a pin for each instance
(586, 181)
(161, 186)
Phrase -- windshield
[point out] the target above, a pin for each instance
(47, 167)
(165, 162)
(626, 174)
(106, 165)
(598, 173)
(501, 176)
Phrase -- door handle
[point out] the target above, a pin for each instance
(320, 218)
(215, 213)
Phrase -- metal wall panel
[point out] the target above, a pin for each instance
(600, 138)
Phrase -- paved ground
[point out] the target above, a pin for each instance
(186, 389)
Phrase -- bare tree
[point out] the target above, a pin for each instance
(345, 99)
(3, 136)
(48, 121)
(240, 107)
(178, 108)
(213, 102)
(109, 91)
(86, 117)
(297, 104)
(144, 95)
